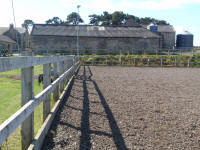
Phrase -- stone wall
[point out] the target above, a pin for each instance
(8, 46)
(59, 44)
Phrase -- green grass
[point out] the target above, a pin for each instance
(37, 70)
(10, 102)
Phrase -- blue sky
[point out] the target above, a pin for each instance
(182, 14)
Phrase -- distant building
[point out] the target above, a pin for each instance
(167, 33)
(9, 34)
(99, 39)
(7, 43)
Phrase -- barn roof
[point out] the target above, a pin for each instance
(91, 31)
(163, 28)
(5, 29)
(6, 39)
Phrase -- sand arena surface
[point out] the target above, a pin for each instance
(129, 108)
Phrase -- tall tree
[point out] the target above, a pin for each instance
(118, 18)
(106, 18)
(95, 19)
(55, 20)
(74, 18)
(27, 24)
(134, 18)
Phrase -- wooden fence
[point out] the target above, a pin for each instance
(64, 68)
(140, 61)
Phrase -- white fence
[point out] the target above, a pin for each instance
(64, 68)
(141, 61)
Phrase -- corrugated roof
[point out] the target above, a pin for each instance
(91, 31)
(4, 38)
(163, 28)
(5, 29)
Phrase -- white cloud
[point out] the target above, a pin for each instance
(112, 5)
(165, 4)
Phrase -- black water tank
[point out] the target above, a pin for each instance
(184, 40)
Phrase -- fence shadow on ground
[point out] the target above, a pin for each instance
(85, 138)
(116, 134)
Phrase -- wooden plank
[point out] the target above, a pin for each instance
(27, 130)
(46, 83)
(12, 63)
(11, 124)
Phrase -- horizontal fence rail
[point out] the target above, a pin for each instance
(7, 64)
(18, 118)
(118, 50)
(141, 61)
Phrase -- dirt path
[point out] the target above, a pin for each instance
(129, 108)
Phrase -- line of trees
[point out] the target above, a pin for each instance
(120, 18)
(106, 18)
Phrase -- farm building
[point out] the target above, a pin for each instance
(168, 36)
(9, 34)
(167, 33)
(6, 43)
(98, 39)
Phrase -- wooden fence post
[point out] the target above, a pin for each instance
(188, 62)
(148, 61)
(134, 62)
(27, 92)
(93, 62)
(46, 83)
(61, 72)
(175, 61)
(65, 69)
(56, 74)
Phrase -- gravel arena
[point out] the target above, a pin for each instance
(120, 108)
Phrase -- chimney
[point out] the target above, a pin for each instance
(11, 27)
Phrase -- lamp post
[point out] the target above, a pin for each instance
(77, 40)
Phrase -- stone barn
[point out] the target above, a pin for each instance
(47, 38)
(10, 33)
(167, 33)
(7, 43)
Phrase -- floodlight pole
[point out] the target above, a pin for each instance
(77, 40)
(15, 26)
